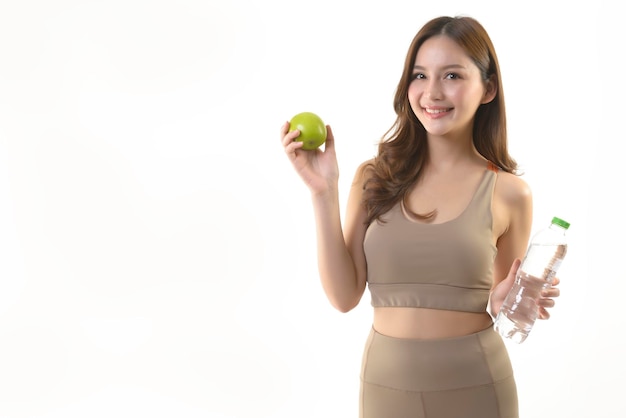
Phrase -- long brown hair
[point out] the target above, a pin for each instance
(403, 149)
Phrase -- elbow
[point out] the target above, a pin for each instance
(343, 309)
(344, 299)
(344, 306)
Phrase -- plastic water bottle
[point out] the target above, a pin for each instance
(536, 273)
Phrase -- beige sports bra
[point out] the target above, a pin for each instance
(439, 266)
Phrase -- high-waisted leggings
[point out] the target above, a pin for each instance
(462, 377)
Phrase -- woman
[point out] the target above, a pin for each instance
(435, 227)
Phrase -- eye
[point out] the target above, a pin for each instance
(452, 76)
(418, 76)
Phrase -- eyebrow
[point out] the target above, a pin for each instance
(447, 67)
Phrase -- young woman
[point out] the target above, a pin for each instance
(436, 225)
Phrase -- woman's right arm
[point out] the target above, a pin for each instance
(341, 261)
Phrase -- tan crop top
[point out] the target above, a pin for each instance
(439, 266)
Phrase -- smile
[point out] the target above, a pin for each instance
(436, 111)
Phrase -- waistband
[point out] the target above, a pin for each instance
(438, 364)
(420, 295)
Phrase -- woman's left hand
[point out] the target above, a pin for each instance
(547, 298)
(498, 294)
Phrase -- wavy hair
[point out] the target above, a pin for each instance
(403, 150)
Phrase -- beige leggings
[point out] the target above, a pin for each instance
(463, 377)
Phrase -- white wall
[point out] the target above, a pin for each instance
(157, 255)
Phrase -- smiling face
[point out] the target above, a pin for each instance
(447, 88)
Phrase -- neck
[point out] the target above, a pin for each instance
(445, 153)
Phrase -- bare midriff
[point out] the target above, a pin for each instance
(428, 324)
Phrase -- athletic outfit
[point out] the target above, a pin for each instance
(437, 266)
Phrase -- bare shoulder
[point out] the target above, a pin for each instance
(364, 171)
(512, 189)
(512, 204)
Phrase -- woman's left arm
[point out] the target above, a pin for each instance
(512, 210)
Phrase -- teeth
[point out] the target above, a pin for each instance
(435, 111)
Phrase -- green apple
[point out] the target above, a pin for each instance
(312, 130)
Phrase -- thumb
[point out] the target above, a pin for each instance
(514, 267)
(330, 139)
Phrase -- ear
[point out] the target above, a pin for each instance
(491, 88)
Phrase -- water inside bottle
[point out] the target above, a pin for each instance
(509, 329)
(543, 260)
(520, 310)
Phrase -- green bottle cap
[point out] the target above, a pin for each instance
(560, 222)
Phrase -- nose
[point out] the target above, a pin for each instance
(433, 89)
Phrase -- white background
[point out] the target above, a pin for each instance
(157, 253)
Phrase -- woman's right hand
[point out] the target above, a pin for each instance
(318, 169)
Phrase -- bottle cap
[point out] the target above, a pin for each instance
(560, 222)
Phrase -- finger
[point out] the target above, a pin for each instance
(546, 303)
(543, 314)
(551, 292)
(555, 281)
(290, 137)
(291, 148)
(514, 267)
(330, 139)
(284, 129)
